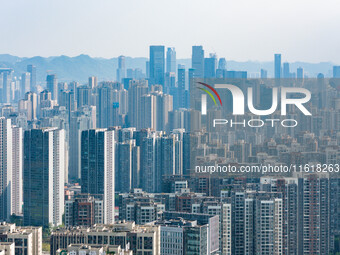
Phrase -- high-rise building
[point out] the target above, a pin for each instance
(191, 76)
(52, 85)
(164, 104)
(29, 106)
(148, 164)
(222, 68)
(264, 74)
(98, 167)
(92, 82)
(147, 69)
(46, 103)
(268, 233)
(197, 61)
(170, 83)
(25, 84)
(147, 111)
(299, 73)
(6, 77)
(10, 169)
(44, 170)
(180, 99)
(277, 66)
(5, 168)
(136, 90)
(33, 76)
(62, 87)
(128, 157)
(336, 71)
(130, 73)
(313, 214)
(83, 119)
(83, 96)
(108, 104)
(121, 68)
(210, 66)
(73, 85)
(171, 60)
(157, 65)
(286, 71)
(17, 171)
(306, 212)
(68, 100)
(222, 64)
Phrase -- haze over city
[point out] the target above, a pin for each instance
(158, 127)
(238, 30)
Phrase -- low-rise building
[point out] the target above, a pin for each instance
(7, 248)
(84, 210)
(26, 240)
(81, 249)
(139, 239)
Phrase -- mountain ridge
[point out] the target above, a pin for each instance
(79, 68)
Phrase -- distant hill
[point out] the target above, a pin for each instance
(79, 68)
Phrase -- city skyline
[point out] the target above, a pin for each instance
(169, 127)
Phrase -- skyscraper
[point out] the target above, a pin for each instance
(299, 73)
(29, 105)
(264, 74)
(313, 214)
(5, 168)
(210, 65)
(33, 76)
(52, 85)
(25, 84)
(148, 164)
(171, 60)
(157, 65)
(136, 90)
(147, 111)
(68, 99)
(197, 61)
(277, 66)
(128, 164)
(164, 104)
(83, 96)
(17, 171)
(191, 76)
(44, 168)
(222, 68)
(222, 64)
(98, 167)
(92, 82)
(336, 71)
(286, 71)
(121, 68)
(180, 99)
(107, 97)
(6, 84)
(83, 119)
(170, 82)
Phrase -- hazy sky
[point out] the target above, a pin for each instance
(305, 30)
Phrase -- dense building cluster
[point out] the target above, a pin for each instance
(124, 166)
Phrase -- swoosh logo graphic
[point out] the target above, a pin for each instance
(213, 90)
(208, 92)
